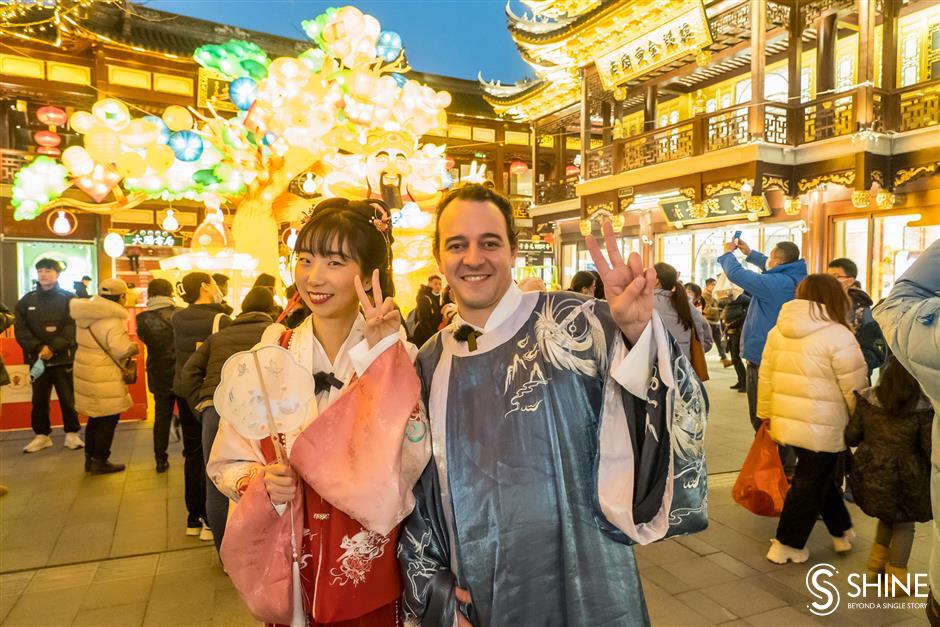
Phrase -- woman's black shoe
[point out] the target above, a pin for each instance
(737, 386)
(162, 465)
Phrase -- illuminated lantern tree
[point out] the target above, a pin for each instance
(341, 115)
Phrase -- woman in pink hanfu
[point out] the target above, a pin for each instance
(364, 443)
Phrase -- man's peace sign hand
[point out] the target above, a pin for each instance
(382, 319)
(627, 286)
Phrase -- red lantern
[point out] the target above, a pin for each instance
(53, 116)
(49, 151)
(572, 170)
(518, 168)
(47, 138)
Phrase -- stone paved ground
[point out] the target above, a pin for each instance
(81, 550)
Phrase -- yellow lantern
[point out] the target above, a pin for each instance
(103, 144)
(131, 165)
(78, 161)
(112, 113)
(177, 118)
(82, 122)
(139, 133)
(160, 157)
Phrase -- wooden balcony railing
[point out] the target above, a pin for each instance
(919, 106)
(556, 191)
(726, 128)
(600, 162)
(658, 146)
(830, 116)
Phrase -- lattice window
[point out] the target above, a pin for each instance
(910, 60)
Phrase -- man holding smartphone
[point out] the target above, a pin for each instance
(769, 290)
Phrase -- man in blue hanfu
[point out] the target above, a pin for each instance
(564, 429)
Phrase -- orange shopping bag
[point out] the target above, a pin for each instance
(762, 485)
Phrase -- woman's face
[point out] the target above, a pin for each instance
(325, 283)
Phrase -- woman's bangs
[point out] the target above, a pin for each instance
(325, 237)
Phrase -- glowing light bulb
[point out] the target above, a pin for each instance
(61, 225)
(170, 223)
(309, 186)
(113, 245)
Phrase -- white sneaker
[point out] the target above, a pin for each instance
(843, 544)
(781, 553)
(38, 443)
(205, 534)
(73, 441)
(193, 531)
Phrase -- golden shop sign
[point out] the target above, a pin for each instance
(213, 88)
(679, 211)
(684, 32)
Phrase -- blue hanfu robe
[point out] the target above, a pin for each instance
(546, 468)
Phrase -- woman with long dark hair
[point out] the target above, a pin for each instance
(677, 312)
(583, 282)
(343, 261)
(810, 369)
(890, 477)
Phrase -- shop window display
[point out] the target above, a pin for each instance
(851, 241)
(896, 247)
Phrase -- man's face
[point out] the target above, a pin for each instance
(475, 256)
(47, 278)
(845, 280)
(709, 287)
(435, 285)
(86, 282)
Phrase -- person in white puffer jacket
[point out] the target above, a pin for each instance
(811, 366)
(100, 391)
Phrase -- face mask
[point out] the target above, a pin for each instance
(36, 371)
(217, 297)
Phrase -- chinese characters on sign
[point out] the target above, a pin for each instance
(726, 206)
(530, 246)
(152, 238)
(213, 88)
(685, 33)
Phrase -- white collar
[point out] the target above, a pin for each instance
(504, 308)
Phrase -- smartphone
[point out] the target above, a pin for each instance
(736, 236)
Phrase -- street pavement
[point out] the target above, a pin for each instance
(111, 550)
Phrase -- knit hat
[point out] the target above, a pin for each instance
(258, 299)
(112, 287)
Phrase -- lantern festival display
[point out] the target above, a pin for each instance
(341, 116)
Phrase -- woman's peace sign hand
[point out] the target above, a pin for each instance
(382, 319)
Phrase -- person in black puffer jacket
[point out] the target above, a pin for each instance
(191, 326)
(155, 329)
(890, 474)
(45, 331)
(203, 371)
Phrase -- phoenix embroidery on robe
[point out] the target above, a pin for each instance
(559, 341)
(356, 562)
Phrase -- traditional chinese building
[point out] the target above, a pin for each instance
(812, 121)
(69, 53)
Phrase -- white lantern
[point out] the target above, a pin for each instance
(170, 223)
(113, 245)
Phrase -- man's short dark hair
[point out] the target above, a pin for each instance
(49, 264)
(220, 279)
(86, 278)
(846, 265)
(478, 193)
(159, 287)
(788, 252)
(433, 277)
(710, 281)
